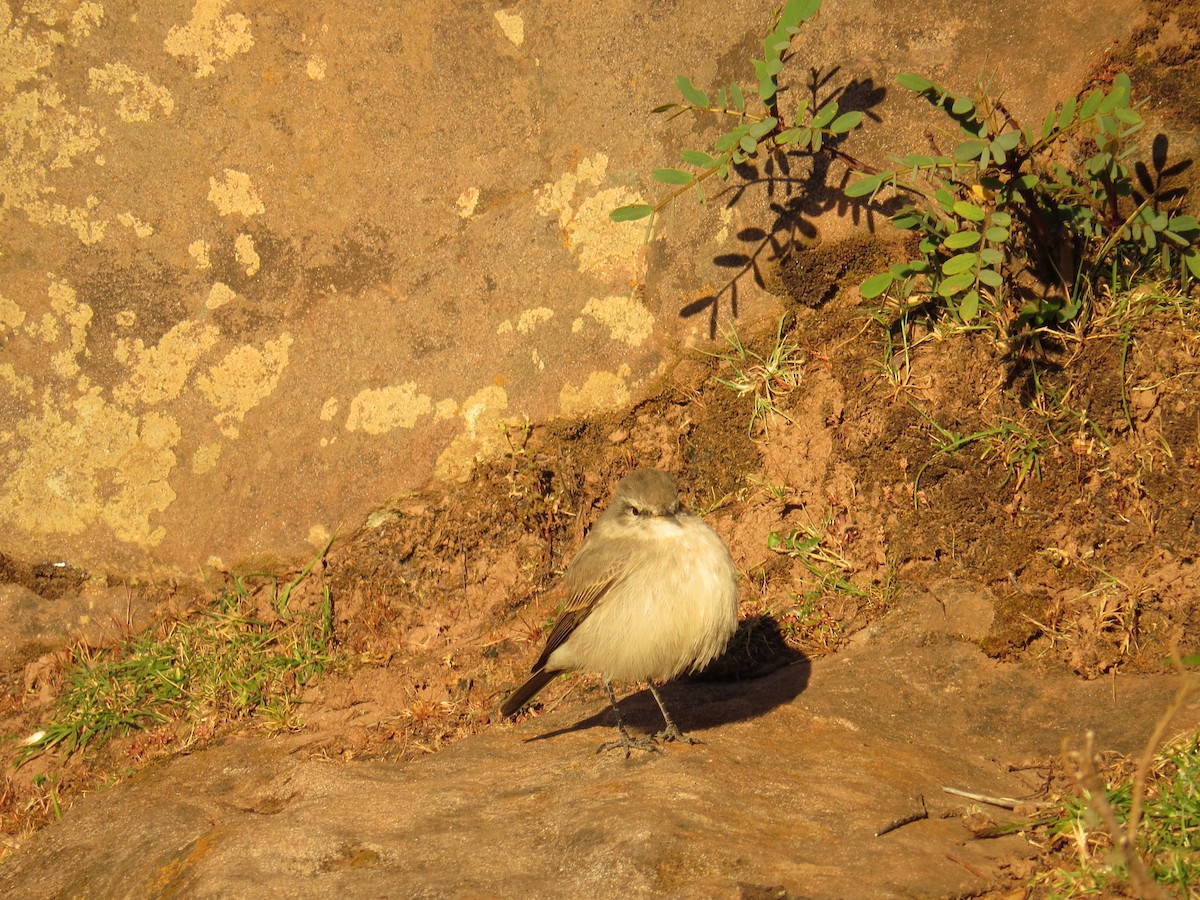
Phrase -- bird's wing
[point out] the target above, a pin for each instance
(579, 605)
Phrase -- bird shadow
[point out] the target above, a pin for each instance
(758, 672)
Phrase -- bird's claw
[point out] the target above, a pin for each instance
(630, 744)
(672, 733)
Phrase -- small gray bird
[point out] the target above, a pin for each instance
(651, 593)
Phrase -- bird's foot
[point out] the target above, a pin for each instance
(672, 733)
(630, 744)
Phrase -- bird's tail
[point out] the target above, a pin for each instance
(526, 692)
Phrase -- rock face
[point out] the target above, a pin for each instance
(800, 771)
(265, 267)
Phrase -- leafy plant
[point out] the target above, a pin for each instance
(1162, 806)
(1012, 442)
(816, 548)
(757, 128)
(767, 378)
(1013, 234)
(224, 663)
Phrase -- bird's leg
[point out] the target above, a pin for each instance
(671, 732)
(629, 743)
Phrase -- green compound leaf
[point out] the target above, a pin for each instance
(970, 150)
(955, 284)
(961, 239)
(1009, 140)
(1067, 113)
(996, 234)
(913, 82)
(846, 122)
(991, 256)
(797, 11)
(748, 144)
(692, 95)
(968, 211)
(1187, 226)
(738, 98)
(631, 213)
(1091, 103)
(961, 263)
(962, 106)
(875, 285)
(1192, 258)
(672, 176)
(990, 277)
(728, 140)
(697, 158)
(868, 184)
(1118, 97)
(761, 129)
(968, 310)
(825, 115)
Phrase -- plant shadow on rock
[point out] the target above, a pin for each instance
(796, 198)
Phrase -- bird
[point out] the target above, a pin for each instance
(651, 593)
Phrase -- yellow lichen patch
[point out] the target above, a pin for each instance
(84, 20)
(626, 318)
(557, 198)
(218, 295)
(76, 317)
(314, 68)
(199, 251)
(140, 228)
(482, 436)
(527, 321)
(247, 256)
(242, 380)
(12, 316)
(467, 201)
(21, 54)
(329, 409)
(601, 392)
(139, 96)
(512, 25)
(204, 460)
(385, 409)
(18, 385)
(235, 194)
(160, 372)
(601, 246)
(42, 136)
(210, 36)
(318, 536)
(90, 463)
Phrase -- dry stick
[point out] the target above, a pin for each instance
(1003, 802)
(966, 865)
(907, 820)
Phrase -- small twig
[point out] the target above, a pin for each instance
(970, 868)
(1003, 802)
(907, 820)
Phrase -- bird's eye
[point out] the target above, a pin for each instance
(634, 511)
